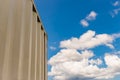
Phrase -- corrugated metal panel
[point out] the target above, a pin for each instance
(23, 42)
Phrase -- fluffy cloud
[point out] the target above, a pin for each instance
(113, 61)
(69, 55)
(80, 66)
(91, 16)
(88, 40)
(75, 61)
(95, 62)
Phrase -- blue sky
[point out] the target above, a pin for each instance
(66, 21)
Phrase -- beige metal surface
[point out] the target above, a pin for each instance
(23, 42)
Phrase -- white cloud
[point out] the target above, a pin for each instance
(90, 17)
(52, 48)
(112, 61)
(80, 68)
(84, 23)
(76, 61)
(63, 56)
(110, 45)
(95, 62)
(117, 35)
(88, 40)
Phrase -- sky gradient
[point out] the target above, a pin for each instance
(83, 38)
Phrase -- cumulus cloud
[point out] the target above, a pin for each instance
(75, 61)
(89, 40)
(63, 56)
(76, 66)
(90, 17)
(112, 61)
(95, 62)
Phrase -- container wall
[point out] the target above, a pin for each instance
(23, 42)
